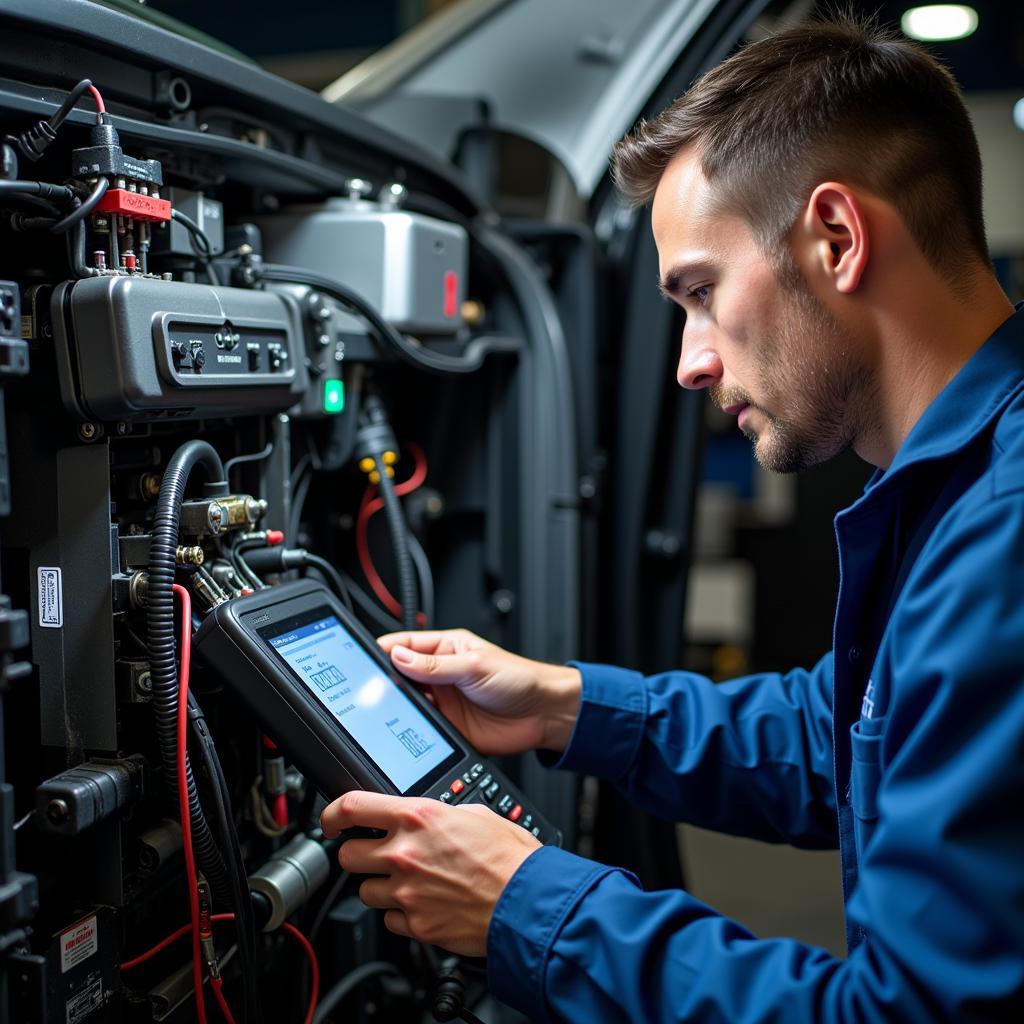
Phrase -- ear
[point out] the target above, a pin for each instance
(834, 233)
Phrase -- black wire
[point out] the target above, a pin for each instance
(83, 211)
(56, 119)
(38, 188)
(295, 513)
(351, 981)
(231, 851)
(200, 243)
(252, 457)
(318, 922)
(337, 584)
(425, 577)
(408, 353)
(369, 607)
(399, 532)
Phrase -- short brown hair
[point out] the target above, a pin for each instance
(840, 99)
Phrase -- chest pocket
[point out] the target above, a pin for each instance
(865, 776)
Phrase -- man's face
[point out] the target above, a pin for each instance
(768, 349)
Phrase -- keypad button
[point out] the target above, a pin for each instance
(535, 832)
(527, 822)
(467, 778)
(486, 781)
(506, 803)
(457, 786)
(446, 797)
(516, 813)
(477, 770)
(492, 791)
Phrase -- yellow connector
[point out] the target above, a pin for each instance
(367, 464)
(389, 458)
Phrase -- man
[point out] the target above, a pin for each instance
(817, 213)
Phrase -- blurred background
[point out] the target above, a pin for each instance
(763, 577)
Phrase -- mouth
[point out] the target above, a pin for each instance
(739, 410)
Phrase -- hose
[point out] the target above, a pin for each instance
(83, 211)
(160, 640)
(400, 542)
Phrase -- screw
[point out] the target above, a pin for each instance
(504, 601)
(144, 684)
(149, 486)
(122, 427)
(87, 431)
(57, 812)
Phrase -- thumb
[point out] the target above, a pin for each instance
(436, 668)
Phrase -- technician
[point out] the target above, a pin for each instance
(817, 213)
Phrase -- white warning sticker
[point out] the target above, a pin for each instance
(78, 943)
(51, 597)
(85, 1001)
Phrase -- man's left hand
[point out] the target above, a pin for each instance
(443, 868)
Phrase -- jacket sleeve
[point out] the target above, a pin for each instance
(751, 757)
(940, 898)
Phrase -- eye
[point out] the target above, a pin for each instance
(701, 293)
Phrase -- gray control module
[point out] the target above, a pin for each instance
(140, 348)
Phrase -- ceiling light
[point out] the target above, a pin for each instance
(939, 22)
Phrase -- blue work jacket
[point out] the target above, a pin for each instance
(904, 747)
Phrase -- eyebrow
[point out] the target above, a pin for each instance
(671, 284)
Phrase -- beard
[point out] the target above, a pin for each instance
(807, 365)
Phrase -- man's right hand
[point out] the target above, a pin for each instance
(502, 703)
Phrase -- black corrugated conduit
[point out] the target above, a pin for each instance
(163, 666)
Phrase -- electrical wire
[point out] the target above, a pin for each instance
(425, 578)
(294, 932)
(405, 350)
(371, 504)
(251, 457)
(220, 919)
(337, 584)
(183, 794)
(351, 981)
(232, 852)
(200, 243)
(83, 211)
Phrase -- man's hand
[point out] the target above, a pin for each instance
(502, 703)
(443, 867)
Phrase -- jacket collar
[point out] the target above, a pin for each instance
(968, 403)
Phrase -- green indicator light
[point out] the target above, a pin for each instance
(334, 396)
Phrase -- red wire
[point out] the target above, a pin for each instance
(100, 108)
(183, 811)
(307, 946)
(280, 809)
(217, 984)
(314, 968)
(370, 506)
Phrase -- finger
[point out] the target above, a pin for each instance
(443, 669)
(425, 641)
(357, 807)
(378, 892)
(396, 921)
(363, 857)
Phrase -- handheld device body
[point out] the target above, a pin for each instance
(324, 691)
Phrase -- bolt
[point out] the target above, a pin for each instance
(87, 431)
(189, 555)
(215, 516)
(57, 812)
(504, 601)
(122, 427)
(149, 486)
(144, 683)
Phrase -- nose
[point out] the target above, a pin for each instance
(700, 366)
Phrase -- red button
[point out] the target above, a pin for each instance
(457, 786)
(516, 813)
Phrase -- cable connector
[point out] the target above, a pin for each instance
(34, 142)
(104, 156)
(206, 927)
(376, 444)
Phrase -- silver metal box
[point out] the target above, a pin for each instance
(410, 267)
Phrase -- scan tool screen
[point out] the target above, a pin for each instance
(369, 706)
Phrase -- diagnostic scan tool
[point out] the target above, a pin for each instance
(326, 693)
